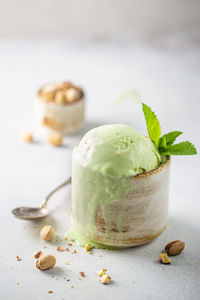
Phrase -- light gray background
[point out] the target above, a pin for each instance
(168, 79)
(97, 18)
(160, 61)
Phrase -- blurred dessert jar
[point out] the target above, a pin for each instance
(60, 107)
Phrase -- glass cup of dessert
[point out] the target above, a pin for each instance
(120, 188)
(60, 107)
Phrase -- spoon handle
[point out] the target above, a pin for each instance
(44, 203)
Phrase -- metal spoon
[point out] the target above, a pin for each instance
(33, 213)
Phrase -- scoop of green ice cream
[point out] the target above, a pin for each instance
(117, 150)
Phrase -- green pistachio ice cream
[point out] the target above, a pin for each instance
(117, 150)
(102, 163)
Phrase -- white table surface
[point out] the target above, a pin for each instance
(167, 75)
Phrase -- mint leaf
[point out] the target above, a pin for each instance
(168, 139)
(165, 143)
(183, 148)
(153, 125)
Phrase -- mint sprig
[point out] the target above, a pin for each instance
(153, 125)
(169, 138)
(183, 148)
(165, 144)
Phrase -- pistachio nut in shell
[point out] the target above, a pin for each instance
(45, 262)
(175, 247)
(47, 233)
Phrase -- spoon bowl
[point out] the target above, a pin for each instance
(30, 213)
(33, 213)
